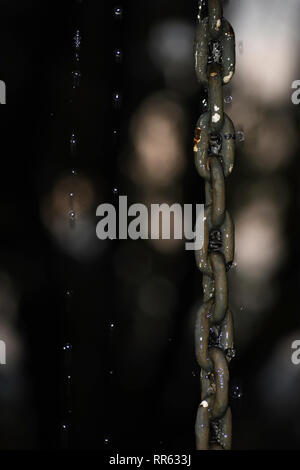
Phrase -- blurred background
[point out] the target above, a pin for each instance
(102, 101)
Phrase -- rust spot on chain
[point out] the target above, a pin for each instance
(197, 138)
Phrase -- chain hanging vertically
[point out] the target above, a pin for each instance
(214, 146)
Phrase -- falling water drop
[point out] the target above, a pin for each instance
(67, 347)
(117, 99)
(115, 137)
(64, 429)
(115, 191)
(77, 39)
(118, 12)
(73, 172)
(71, 195)
(118, 56)
(69, 293)
(236, 391)
(194, 373)
(241, 47)
(73, 143)
(76, 75)
(72, 215)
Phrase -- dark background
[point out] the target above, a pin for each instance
(128, 307)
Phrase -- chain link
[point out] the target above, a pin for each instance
(214, 147)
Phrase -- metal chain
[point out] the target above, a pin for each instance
(214, 146)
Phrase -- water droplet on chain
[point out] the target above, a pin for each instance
(204, 103)
(240, 135)
(71, 195)
(228, 99)
(231, 353)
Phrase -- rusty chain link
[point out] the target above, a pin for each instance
(214, 146)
